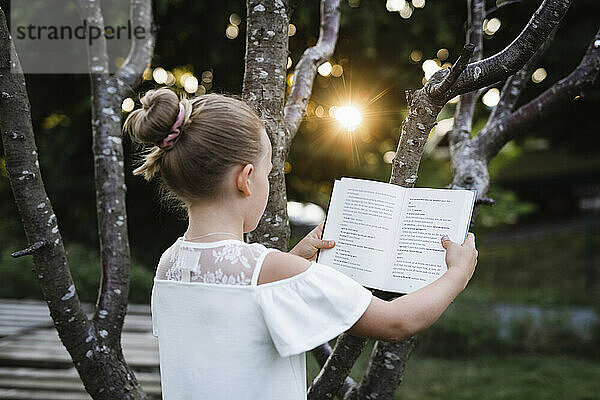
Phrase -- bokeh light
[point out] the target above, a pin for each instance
(491, 97)
(160, 75)
(337, 70)
(207, 77)
(395, 5)
(490, 27)
(232, 31)
(235, 19)
(291, 30)
(388, 156)
(416, 55)
(325, 69)
(442, 54)
(191, 84)
(128, 105)
(539, 75)
(430, 67)
(147, 74)
(406, 11)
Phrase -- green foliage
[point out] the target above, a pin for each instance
(17, 276)
(464, 329)
(489, 377)
(506, 211)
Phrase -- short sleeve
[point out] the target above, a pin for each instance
(310, 308)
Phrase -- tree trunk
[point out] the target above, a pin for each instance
(264, 89)
(94, 346)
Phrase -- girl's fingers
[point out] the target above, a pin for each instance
(324, 244)
(470, 240)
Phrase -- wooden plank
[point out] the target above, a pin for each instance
(126, 341)
(65, 374)
(63, 360)
(58, 386)
(17, 394)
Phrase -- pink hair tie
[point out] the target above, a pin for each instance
(167, 142)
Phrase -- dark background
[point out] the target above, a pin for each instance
(538, 180)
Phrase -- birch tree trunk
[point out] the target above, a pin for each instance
(94, 345)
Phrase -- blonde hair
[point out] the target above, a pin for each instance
(217, 133)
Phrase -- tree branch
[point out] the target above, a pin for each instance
(564, 90)
(515, 84)
(321, 354)
(463, 115)
(29, 250)
(492, 10)
(385, 370)
(110, 185)
(140, 54)
(439, 90)
(516, 54)
(333, 377)
(306, 69)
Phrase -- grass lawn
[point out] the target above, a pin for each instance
(491, 378)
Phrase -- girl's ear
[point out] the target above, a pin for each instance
(243, 179)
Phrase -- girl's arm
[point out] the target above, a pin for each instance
(402, 317)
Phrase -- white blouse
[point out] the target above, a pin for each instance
(222, 336)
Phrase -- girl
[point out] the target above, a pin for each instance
(233, 319)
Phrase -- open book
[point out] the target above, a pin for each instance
(388, 237)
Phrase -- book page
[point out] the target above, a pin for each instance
(361, 221)
(427, 215)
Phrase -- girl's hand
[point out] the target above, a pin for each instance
(461, 257)
(308, 246)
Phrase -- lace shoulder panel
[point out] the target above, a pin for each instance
(231, 263)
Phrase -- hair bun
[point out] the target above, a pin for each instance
(152, 123)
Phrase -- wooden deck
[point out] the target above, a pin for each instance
(34, 364)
